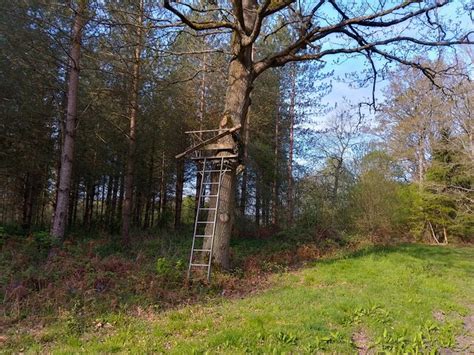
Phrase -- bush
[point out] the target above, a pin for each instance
(171, 271)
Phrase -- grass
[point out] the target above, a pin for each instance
(386, 298)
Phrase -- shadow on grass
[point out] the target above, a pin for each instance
(446, 257)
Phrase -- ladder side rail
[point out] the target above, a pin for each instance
(196, 219)
(215, 219)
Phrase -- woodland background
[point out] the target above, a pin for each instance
(321, 176)
(405, 170)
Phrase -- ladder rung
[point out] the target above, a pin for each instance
(210, 183)
(214, 171)
(204, 196)
(206, 250)
(208, 222)
(215, 157)
(206, 265)
(203, 236)
(207, 209)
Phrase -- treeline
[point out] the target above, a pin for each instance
(410, 175)
(181, 81)
(143, 83)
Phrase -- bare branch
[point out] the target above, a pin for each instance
(199, 26)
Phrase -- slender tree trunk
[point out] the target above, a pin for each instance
(113, 203)
(162, 185)
(243, 189)
(120, 199)
(130, 168)
(337, 175)
(153, 205)
(108, 199)
(246, 131)
(100, 213)
(264, 209)
(291, 145)
(151, 169)
(138, 209)
(76, 203)
(421, 162)
(275, 169)
(201, 114)
(67, 150)
(179, 193)
(89, 206)
(28, 202)
(258, 203)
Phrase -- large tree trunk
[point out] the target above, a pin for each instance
(237, 101)
(129, 176)
(236, 107)
(67, 151)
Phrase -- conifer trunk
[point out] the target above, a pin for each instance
(179, 193)
(130, 168)
(67, 150)
(291, 145)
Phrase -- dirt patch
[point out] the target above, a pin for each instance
(465, 342)
(361, 341)
(439, 316)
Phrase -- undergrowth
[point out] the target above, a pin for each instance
(91, 293)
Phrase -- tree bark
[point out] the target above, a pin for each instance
(275, 168)
(257, 201)
(291, 145)
(162, 187)
(28, 201)
(179, 193)
(130, 168)
(337, 176)
(243, 189)
(108, 199)
(237, 102)
(67, 150)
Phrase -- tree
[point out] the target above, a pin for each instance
(410, 117)
(375, 197)
(28, 84)
(133, 112)
(357, 29)
(448, 193)
(428, 126)
(67, 151)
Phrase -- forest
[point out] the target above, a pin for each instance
(352, 129)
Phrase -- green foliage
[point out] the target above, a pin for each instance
(3, 236)
(44, 241)
(172, 271)
(375, 312)
(375, 197)
(76, 319)
(428, 338)
(447, 191)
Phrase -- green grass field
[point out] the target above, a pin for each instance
(407, 298)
